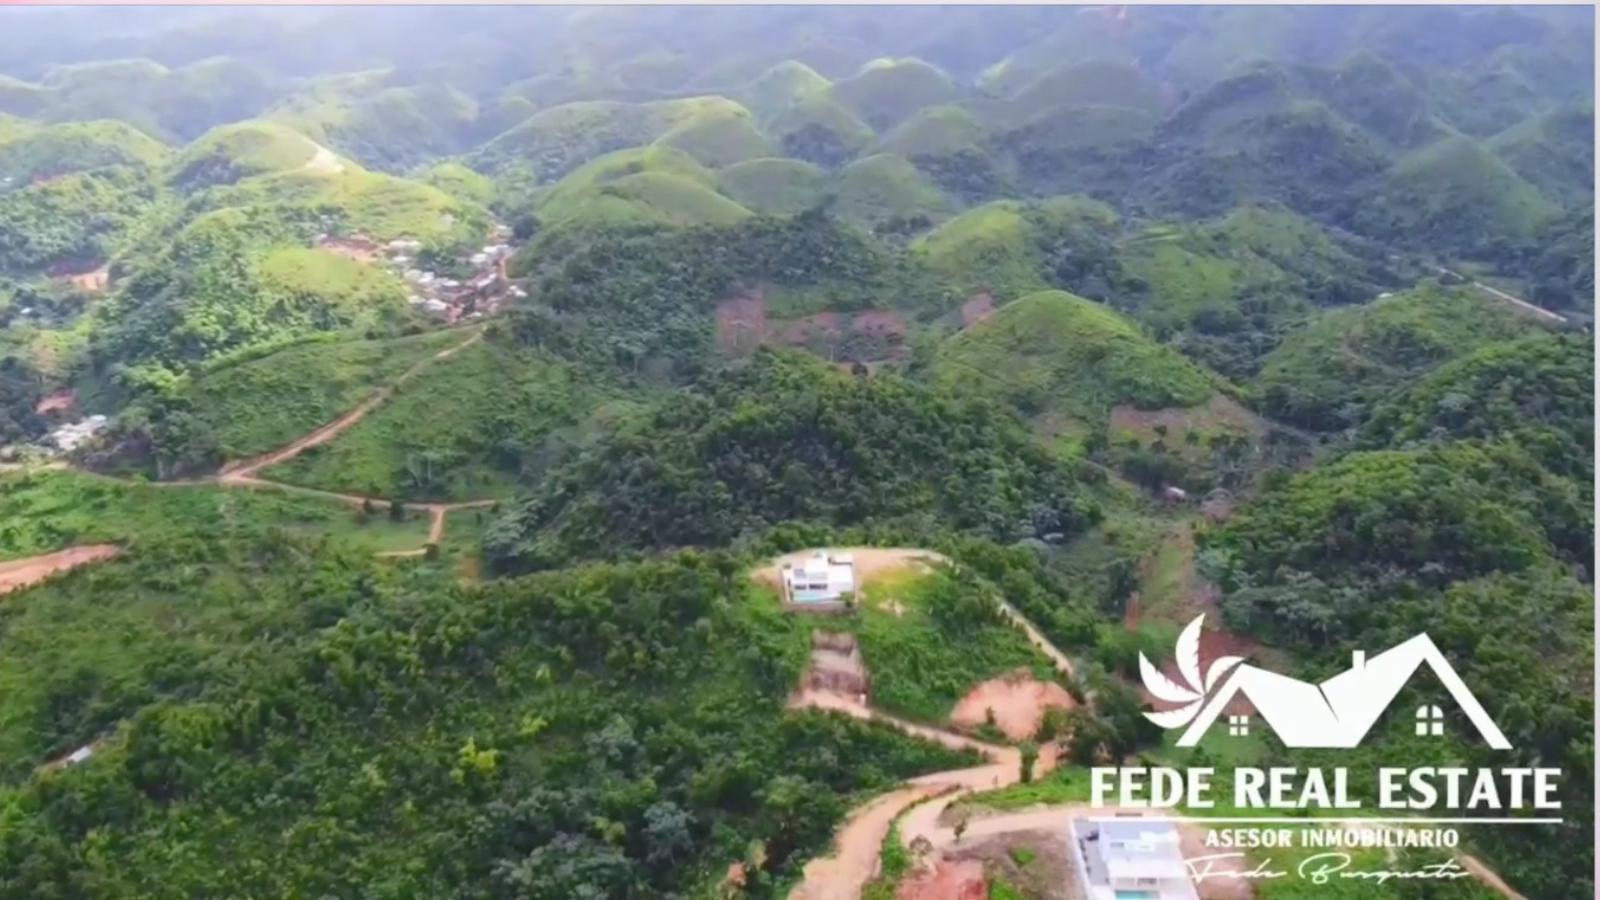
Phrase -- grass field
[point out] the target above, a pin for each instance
(879, 188)
(989, 248)
(262, 403)
(46, 511)
(455, 432)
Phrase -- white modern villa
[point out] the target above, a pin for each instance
(1129, 859)
(822, 578)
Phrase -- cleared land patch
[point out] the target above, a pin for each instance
(1016, 704)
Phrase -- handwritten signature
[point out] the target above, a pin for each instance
(1318, 869)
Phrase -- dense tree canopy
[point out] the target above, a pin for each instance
(786, 439)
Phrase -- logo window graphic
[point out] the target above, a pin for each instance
(1430, 721)
(1337, 712)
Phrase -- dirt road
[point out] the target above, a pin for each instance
(859, 842)
(243, 473)
(436, 513)
(1038, 640)
(1518, 302)
(21, 573)
(920, 802)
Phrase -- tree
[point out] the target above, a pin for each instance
(667, 833)
(1030, 754)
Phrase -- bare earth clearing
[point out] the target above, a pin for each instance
(1017, 702)
(742, 325)
(870, 562)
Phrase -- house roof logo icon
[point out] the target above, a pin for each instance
(1337, 713)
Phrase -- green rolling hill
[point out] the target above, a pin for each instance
(883, 189)
(1064, 362)
(1327, 375)
(50, 150)
(774, 185)
(886, 92)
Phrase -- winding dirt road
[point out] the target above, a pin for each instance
(859, 842)
(243, 473)
(919, 802)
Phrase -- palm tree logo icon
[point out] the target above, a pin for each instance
(1191, 689)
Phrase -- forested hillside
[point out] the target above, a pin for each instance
(415, 423)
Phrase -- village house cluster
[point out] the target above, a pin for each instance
(73, 434)
(453, 297)
(66, 433)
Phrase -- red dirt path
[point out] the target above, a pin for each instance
(950, 879)
(21, 573)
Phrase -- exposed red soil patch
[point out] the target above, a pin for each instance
(977, 308)
(90, 275)
(22, 573)
(94, 282)
(357, 247)
(950, 879)
(1018, 702)
(1214, 644)
(743, 324)
(59, 402)
(881, 322)
(1198, 597)
(802, 331)
(836, 665)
